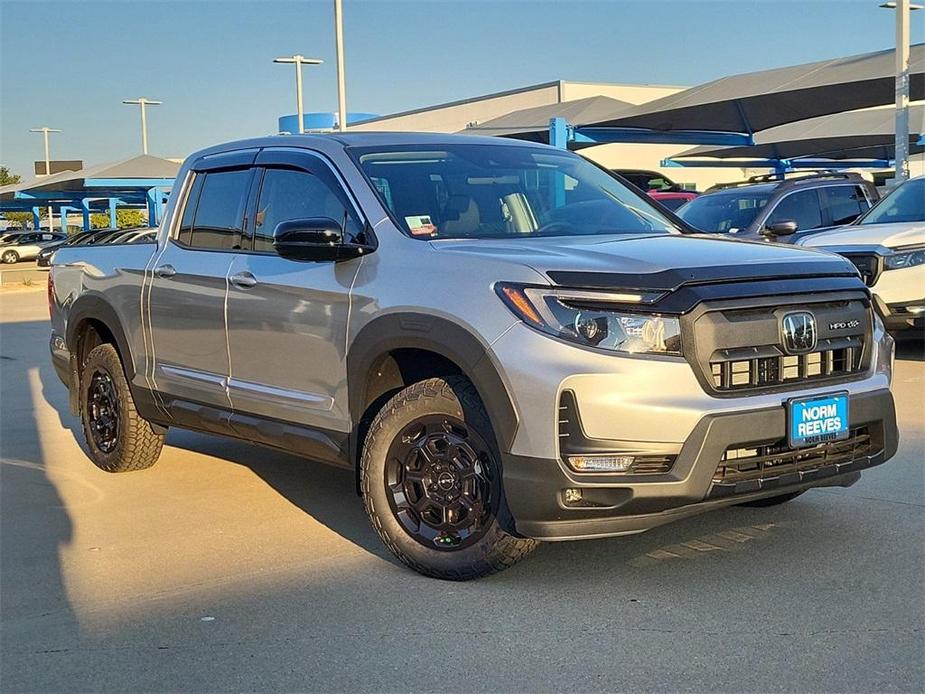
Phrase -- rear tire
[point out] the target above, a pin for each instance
(118, 438)
(771, 500)
(431, 483)
(9, 257)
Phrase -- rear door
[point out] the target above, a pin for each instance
(801, 206)
(843, 204)
(287, 319)
(187, 298)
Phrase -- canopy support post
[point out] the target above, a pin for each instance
(155, 203)
(36, 218)
(558, 133)
(63, 210)
(113, 219)
(85, 211)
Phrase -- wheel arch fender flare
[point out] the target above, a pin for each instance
(409, 330)
(96, 308)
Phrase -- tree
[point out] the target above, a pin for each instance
(7, 178)
(124, 219)
(23, 219)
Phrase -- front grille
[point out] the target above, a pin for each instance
(774, 460)
(737, 374)
(869, 265)
(737, 348)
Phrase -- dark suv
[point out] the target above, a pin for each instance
(772, 205)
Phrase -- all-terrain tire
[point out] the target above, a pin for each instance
(455, 398)
(771, 500)
(131, 442)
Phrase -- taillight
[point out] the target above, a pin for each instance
(51, 293)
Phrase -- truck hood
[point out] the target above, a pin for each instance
(891, 235)
(650, 261)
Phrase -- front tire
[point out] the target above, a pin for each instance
(10, 257)
(431, 482)
(119, 439)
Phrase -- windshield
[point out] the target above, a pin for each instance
(725, 212)
(903, 204)
(503, 191)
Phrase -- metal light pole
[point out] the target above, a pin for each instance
(45, 130)
(144, 120)
(901, 156)
(341, 85)
(299, 61)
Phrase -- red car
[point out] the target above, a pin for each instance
(658, 186)
(672, 199)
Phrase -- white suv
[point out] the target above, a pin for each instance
(888, 247)
(27, 246)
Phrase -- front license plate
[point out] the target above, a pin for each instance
(817, 419)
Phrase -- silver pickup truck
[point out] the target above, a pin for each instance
(506, 343)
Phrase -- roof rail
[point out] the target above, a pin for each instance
(781, 176)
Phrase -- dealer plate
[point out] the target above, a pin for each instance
(817, 419)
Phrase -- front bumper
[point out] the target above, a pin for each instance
(905, 316)
(618, 505)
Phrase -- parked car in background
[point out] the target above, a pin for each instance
(658, 187)
(498, 357)
(43, 259)
(672, 199)
(98, 236)
(772, 206)
(129, 235)
(27, 246)
(10, 236)
(888, 247)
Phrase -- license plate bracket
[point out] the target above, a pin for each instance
(817, 419)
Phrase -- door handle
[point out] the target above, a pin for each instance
(244, 280)
(165, 271)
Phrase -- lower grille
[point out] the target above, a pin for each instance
(743, 373)
(773, 460)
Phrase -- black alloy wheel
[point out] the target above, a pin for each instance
(438, 479)
(103, 411)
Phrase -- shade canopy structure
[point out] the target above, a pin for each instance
(533, 123)
(138, 172)
(756, 101)
(142, 180)
(868, 134)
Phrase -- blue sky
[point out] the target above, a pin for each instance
(69, 64)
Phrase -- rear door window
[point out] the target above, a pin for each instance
(801, 207)
(845, 203)
(219, 217)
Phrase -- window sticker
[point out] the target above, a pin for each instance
(421, 225)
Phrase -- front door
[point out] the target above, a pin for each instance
(287, 320)
(187, 300)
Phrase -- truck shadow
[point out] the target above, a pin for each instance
(36, 611)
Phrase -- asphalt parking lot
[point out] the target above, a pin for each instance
(231, 567)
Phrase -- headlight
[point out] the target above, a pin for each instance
(599, 319)
(904, 257)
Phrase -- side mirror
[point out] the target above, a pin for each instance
(316, 238)
(784, 228)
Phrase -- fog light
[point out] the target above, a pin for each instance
(601, 463)
(572, 496)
